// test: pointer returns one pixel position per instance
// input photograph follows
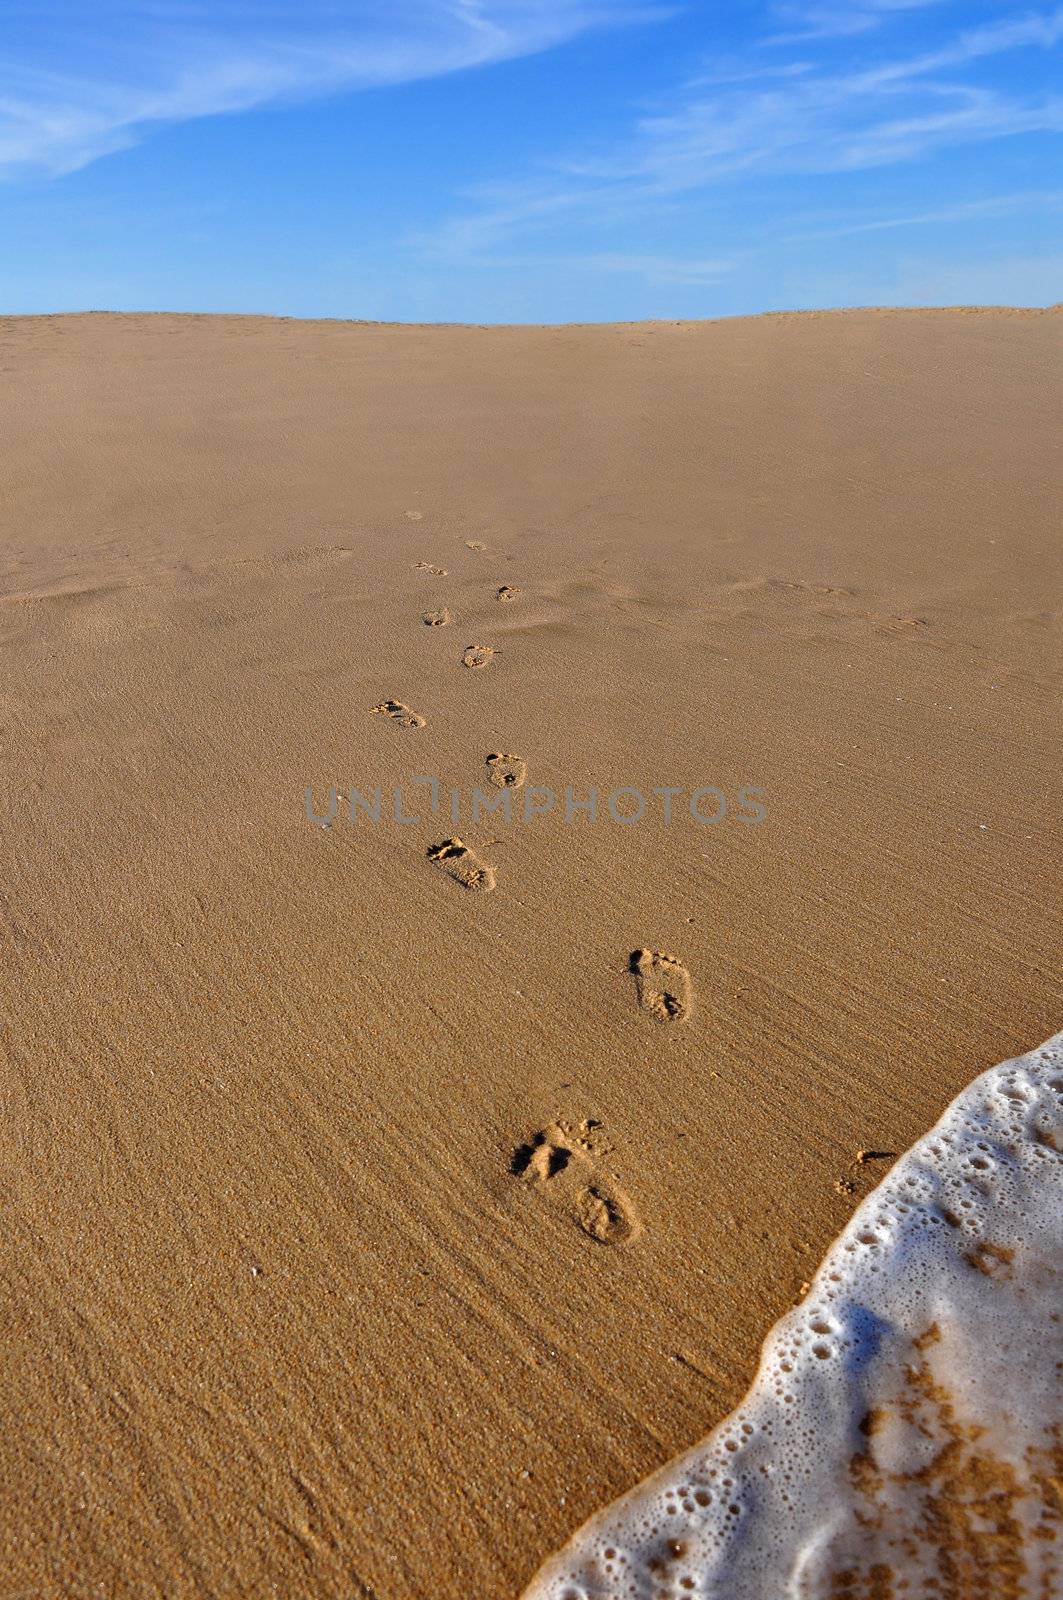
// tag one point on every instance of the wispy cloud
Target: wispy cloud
(799, 118)
(1043, 202)
(125, 68)
(663, 269)
(844, 20)
(916, 279)
(831, 121)
(688, 271)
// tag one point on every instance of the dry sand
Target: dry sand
(365, 1231)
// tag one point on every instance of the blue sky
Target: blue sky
(528, 160)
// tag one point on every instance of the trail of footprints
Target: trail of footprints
(662, 982)
(843, 603)
(563, 1165)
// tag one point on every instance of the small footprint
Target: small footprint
(456, 859)
(507, 592)
(827, 590)
(662, 983)
(605, 1215)
(415, 516)
(563, 1163)
(314, 557)
(474, 544)
(506, 771)
(398, 713)
(896, 625)
(426, 566)
(478, 656)
(437, 619)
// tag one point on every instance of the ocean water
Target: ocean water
(904, 1433)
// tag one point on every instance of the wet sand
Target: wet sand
(375, 1211)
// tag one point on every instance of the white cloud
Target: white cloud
(913, 280)
(84, 78)
(842, 20)
(800, 120)
(659, 268)
(1006, 280)
(1031, 201)
(655, 269)
(837, 121)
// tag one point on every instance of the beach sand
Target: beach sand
(374, 1213)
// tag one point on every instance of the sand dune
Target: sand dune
(365, 1234)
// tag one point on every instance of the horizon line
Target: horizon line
(972, 308)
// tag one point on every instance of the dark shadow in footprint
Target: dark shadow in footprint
(564, 1164)
(397, 712)
(478, 656)
(456, 859)
(539, 1159)
(506, 771)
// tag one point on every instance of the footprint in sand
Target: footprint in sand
(415, 516)
(830, 591)
(662, 983)
(474, 544)
(456, 859)
(437, 619)
(506, 771)
(507, 592)
(426, 566)
(478, 656)
(398, 713)
(563, 1164)
(897, 625)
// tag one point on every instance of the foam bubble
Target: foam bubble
(904, 1433)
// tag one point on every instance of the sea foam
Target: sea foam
(904, 1433)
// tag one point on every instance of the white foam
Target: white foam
(904, 1431)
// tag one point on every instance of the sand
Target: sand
(372, 1216)
(902, 1436)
